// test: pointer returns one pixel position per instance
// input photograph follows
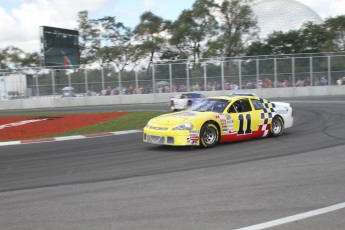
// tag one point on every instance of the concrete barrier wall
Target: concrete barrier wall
(161, 98)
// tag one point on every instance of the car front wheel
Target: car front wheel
(277, 127)
(209, 135)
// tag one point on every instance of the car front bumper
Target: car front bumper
(176, 138)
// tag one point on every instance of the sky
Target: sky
(20, 20)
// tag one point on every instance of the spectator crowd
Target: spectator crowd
(215, 86)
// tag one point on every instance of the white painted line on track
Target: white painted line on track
(9, 143)
(69, 138)
(126, 132)
(66, 138)
(297, 217)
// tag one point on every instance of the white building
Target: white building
(13, 86)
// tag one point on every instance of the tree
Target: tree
(192, 29)
(3, 60)
(152, 33)
(237, 29)
(285, 43)
(89, 38)
(31, 60)
(117, 48)
(14, 58)
(311, 38)
(335, 27)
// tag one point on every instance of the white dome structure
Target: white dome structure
(282, 15)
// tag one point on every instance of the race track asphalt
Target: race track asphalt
(119, 182)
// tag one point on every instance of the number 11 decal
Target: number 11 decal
(241, 130)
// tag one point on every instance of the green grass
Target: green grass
(133, 120)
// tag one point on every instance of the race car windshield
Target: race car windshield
(210, 105)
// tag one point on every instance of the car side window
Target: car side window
(246, 105)
(232, 109)
(240, 106)
(257, 104)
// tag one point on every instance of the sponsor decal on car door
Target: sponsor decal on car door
(242, 122)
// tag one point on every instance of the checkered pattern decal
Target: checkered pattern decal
(266, 115)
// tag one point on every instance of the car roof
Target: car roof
(194, 95)
(244, 94)
(191, 93)
(234, 97)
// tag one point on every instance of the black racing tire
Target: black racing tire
(209, 135)
(189, 103)
(277, 127)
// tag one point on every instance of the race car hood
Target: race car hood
(173, 119)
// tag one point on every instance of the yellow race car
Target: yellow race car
(220, 119)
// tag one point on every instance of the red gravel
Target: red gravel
(20, 128)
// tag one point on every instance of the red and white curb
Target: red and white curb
(68, 137)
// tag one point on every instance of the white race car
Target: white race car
(185, 100)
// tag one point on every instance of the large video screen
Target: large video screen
(60, 48)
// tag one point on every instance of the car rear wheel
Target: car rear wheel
(209, 135)
(277, 127)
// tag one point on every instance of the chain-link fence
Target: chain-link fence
(205, 75)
